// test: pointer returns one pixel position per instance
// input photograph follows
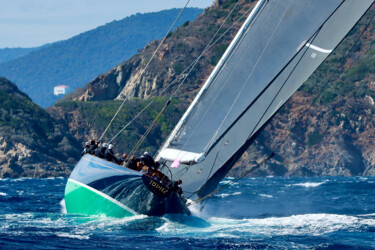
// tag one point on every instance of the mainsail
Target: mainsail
(278, 47)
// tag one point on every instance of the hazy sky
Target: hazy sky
(30, 23)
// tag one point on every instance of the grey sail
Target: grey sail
(278, 47)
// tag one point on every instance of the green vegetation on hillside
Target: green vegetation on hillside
(22, 121)
(98, 115)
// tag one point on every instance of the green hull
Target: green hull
(82, 199)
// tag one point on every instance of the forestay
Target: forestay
(278, 47)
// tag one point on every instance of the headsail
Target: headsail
(278, 47)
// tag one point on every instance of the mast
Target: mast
(171, 155)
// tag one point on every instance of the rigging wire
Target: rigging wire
(190, 67)
(196, 106)
(141, 140)
(143, 70)
(339, 68)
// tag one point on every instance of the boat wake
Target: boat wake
(82, 227)
(247, 218)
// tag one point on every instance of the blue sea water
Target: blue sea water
(272, 213)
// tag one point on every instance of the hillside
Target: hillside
(334, 137)
(78, 60)
(32, 143)
(8, 54)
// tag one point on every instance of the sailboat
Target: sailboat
(278, 47)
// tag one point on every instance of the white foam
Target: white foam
(306, 224)
(22, 179)
(266, 195)
(3, 194)
(229, 182)
(222, 195)
(309, 184)
(73, 236)
(373, 214)
(62, 206)
(313, 224)
(105, 223)
(165, 228)
(226, 195)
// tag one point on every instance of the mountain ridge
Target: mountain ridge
(81, 58)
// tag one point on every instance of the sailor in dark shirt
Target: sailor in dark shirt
(123, 158)
(85, 150)
(177, 187)
(132, 164)
(93, 147)
(99, 152)
(109, 155)
(147, 159)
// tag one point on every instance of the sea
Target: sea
(255, 213)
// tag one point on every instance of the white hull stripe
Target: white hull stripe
(105, 196)
(327, 51)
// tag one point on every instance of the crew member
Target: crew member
(93, 147)
(85, 150)
(123, 158)
(132, 164)
(177, 187)
(109, 155)
(147, 160)
(99, 152)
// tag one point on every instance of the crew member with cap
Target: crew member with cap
(147, 159)
(109, 155)
(99, 152)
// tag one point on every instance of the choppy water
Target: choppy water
(328, 212)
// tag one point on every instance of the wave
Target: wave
(229, 182)
(226, 195)
(62, 207)
(73, 236)
(55, 178)
(306, 224)
(373, 214)
(3, 194)
(309, 184)
(266, 195)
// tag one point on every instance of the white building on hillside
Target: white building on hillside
(60, 90)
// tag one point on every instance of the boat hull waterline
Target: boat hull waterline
(98, 187)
